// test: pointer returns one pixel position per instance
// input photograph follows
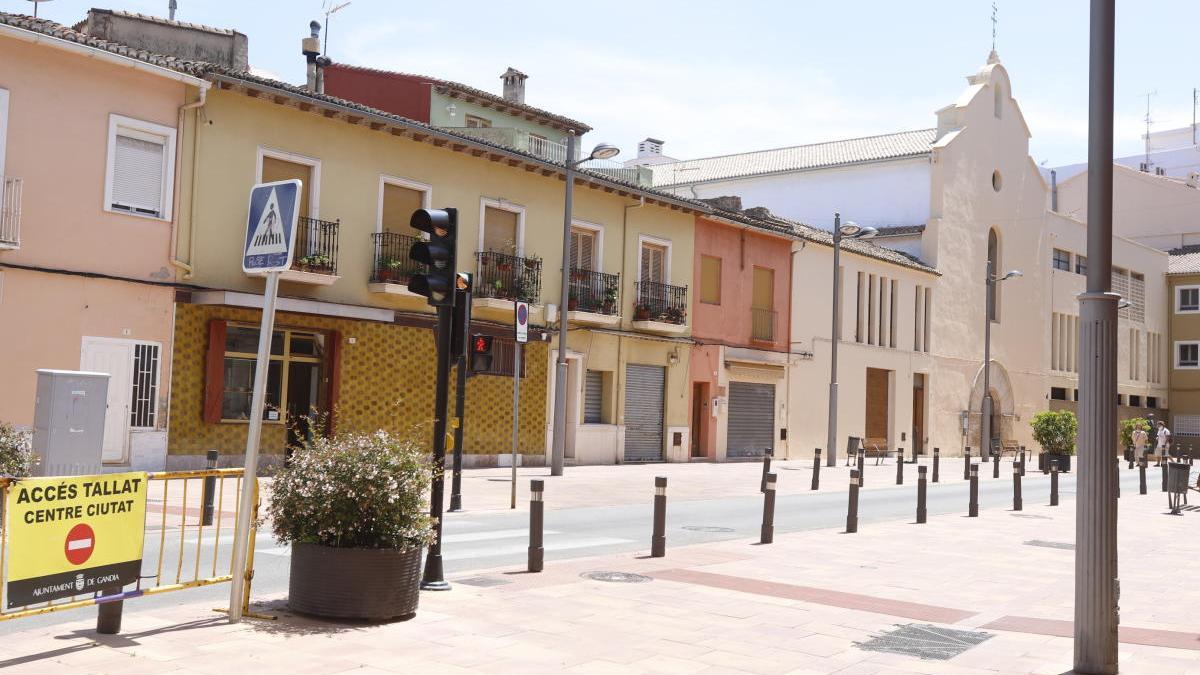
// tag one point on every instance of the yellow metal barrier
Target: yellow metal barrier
(185, 515)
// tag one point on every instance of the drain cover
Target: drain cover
(1066, 546)
(708, 528)
(482, 582)
(616, 577)
(1030, 515)
(925, 641)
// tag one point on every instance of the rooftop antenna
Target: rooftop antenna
(1149, 122)
(995, 20)
(35, 6)
(1195, 100)
(331, 9)
(171, 7)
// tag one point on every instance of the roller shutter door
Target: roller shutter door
(751, 419)
(644, 387)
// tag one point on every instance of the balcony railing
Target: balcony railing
(555, 151)
(392, 262)
(507, 277)
(660, 302)
(762, 324)
(594, 292)
(316, 246)
(10, 212)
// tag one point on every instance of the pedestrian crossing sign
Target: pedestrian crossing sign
(271, 226)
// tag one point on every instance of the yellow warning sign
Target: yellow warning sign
(73, 535)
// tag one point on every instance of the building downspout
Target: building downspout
(787, 398)
(183, 110)
(621, 341)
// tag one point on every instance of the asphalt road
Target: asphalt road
(485, 540)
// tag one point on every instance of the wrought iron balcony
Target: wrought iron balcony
(10, 212)
(316, 246)
(762, 324)
(660, 302)
(594, 292)
(507, 277)
(392, 262)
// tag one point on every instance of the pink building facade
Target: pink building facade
(89, 155)
(741, 316)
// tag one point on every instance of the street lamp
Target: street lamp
(985, 418)
(841, 231)
(558, 444)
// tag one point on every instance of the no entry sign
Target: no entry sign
(73, 535)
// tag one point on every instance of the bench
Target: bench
(877, 448)
(1010, 447)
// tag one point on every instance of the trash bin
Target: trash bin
(1177, 477)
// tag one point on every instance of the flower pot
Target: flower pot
(572, 304)
(1064, 462)
(354, 583)
(641, 315)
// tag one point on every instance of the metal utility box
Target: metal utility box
(68, 422)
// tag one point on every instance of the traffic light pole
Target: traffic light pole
(434, 579)
(462, 299)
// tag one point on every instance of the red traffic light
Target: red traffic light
(481, 344)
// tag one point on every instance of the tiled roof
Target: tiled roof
(1185, 260)
(796, 158)
(477, 93)
(899, 230)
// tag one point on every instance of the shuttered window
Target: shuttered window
(654, 263)
(145, 386)
(583, 249)
(141, 159)
(764, 288)
(593, 397)
(500, 230)
(710, 279)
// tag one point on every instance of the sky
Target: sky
(713, 78)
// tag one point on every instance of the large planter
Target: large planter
(354, 583)
(1064, 462)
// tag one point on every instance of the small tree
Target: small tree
(1129, 426)
(1055, 431)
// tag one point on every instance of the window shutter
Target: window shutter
(138, 175)
(575, 237)
(214, 372)
(593, 397)
(586, 259)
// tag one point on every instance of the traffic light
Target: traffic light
(461, 324)
(481, 353)
(438, 254)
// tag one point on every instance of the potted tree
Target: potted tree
(1055, 431)
(354, 509)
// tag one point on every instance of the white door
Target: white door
(115, 357)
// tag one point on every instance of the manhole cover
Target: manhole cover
(1066, 546)
(708, 528)
(482, 582)
(1030, 515)
(925, 641)
(616, 577)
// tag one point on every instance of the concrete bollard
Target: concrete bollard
(658, 541)
(937, 459)
(1141, 475)
(537, 553)
(852, 508)
(768, 518)
(816, 478)
(921, 495)
(973, 506)
(862, 462)
(108, 616)
(210, 487)
(766, 468)
(1017, 504)
(1053, 483)
(899, 466)
(995, 465)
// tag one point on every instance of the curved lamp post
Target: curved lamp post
(847, 230)
(985, 418)
(558, 444)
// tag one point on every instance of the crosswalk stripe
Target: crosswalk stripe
(569, 544)
(489, 535)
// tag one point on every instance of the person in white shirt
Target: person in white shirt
(1164, 442)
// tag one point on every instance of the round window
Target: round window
(996, 180)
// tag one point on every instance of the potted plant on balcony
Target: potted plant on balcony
(641, 312)
(388, 269)
(498, 290)
(572, 301)
(1055, 431)
(354, 509)
(676, 315)
(610, 300)
(315, 262)
(532, 263)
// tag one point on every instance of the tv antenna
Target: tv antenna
(995, 20)
(330, 10)
(1149, 122)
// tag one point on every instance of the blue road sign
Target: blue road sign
(271, 226)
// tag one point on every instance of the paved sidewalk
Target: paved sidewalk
(809, 603)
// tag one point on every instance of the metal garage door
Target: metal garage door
(644, 413)
(751, 419)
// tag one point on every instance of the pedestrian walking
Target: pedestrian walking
(1163, 447)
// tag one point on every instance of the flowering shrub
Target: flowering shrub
(16, 452)
(354, 491)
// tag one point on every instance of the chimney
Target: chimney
(311, 48)
(651, 147)
(726, 203)
(514, 85)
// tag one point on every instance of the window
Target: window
(584, 249)
(593, 397)
(710, 279)
(1058, 393)
(398, 198)
(1062, 260)
(1120, 399)
(476, 122)
(293, 353)
(1185, 425)
(653, 263)
(145, 386)
(1137, 296)
(141, 168)
(1135, 400)
(1151, 401)
(997, 181)
(501, 230)
(275, 165)
(1187, 354)
(1187, 299)
(1081, 264)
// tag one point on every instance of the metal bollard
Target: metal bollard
(1164, 476)
(921, 512)
(973, 506)
(967, 464)
(1129, 456)
(537, 554)
(658, 541)
(899, 466)
(1141, 475)
(766, 468)
(1017, 503)
(768, 518)
(937, 459)
(852, 508)
(1022, 461)
(108, 616)
(995, 465)
(1053, 483)
(210, 487)
(862, 462)
(816, 479)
